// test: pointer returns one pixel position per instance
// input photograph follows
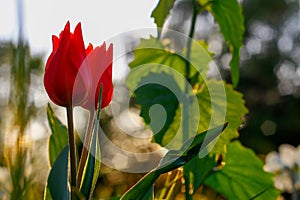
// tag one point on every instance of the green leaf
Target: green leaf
(243, 176)
(199, 169)
(152, 56)
(156, 77)
(228, 14)
(156, 57)
(220, 103)
(149, 195)
(161, 12)
(47, 195)
(59, 137)
(172, 160)
(149, 97)
(173, 129)
(92, 167)
(58, 177)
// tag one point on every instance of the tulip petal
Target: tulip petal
(89, 49)
(100, 64)
(62, 69)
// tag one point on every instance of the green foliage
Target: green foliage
(58, 177)
(161, 12)
(156, 73)
(22, 186)
(228, 14)
(199, 169)
(152, 56)
(57, 143)
(172, 160)
(149, 195)
(242, 177)
(153, 94)
(92, 167)
(157, 57)
(59, 137)
(57, 146)
(219, 102)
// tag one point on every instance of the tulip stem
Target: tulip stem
(72, 149)
(85, 148)
(186, 104)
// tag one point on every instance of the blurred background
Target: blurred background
(269, 68)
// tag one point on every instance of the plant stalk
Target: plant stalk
(187, 100)
(86, 145)
(72, 146)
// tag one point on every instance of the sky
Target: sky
(101, 19)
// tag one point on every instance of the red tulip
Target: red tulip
(73, 74)
(99, 61)
(63, 82)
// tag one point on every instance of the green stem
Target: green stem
(72, 146)
(85, 148)
(186, 103)
(189, 41)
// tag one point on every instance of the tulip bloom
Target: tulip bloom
(99, 61)
(62, 69)
(73, 74)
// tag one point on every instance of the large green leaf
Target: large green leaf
(152, 56)
(149, 97)
(172, 160)
(219, 103)
(156, 77)
(161, 12)
(58, 177)
(228, 14)
(160, 58)
(243, 176)
(59, 137)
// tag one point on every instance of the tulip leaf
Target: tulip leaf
(59, 137)
(47, 195)
(219, 102)
(243, 176)
(172, 160)
(149, 195)
(199, 168)
(58, 177)
(92, 167)
(161, 11)
(228, 14)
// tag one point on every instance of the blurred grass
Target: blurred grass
(16, 113)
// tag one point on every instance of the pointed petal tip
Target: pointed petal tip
(78, 26)
(67, 26)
